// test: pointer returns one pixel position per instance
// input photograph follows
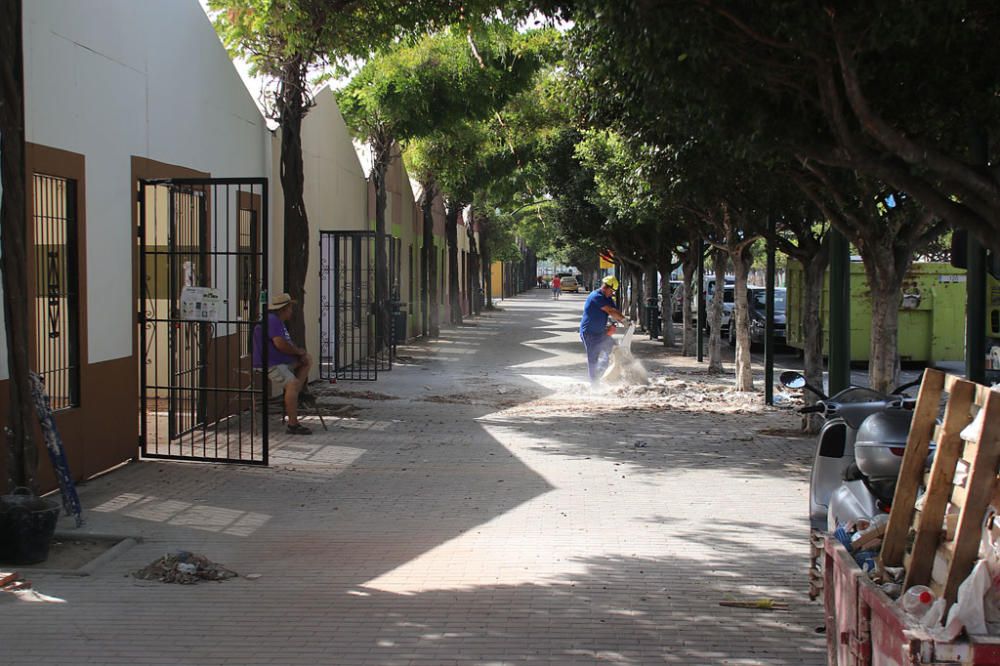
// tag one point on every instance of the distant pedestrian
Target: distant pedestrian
(556, 287)
(594, 329)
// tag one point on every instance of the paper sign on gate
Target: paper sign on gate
(200, 304)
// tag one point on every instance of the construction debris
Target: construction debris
(11, 581)
(184, 568)
(758, 604)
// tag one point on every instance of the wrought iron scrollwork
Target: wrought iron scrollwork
(53, 292)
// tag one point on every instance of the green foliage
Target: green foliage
(867, 90)
(439, 81)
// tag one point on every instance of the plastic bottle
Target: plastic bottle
(917, 601)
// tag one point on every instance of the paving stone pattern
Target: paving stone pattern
(496, 511)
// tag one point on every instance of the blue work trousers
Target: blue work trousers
(599, 347)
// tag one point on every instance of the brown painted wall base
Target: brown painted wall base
(101, 433)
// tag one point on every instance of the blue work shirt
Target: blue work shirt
(595, 320)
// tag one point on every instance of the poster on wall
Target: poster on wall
(200, 304)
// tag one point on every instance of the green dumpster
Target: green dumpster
(931, 312)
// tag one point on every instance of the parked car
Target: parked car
(727, 301)
(727, 307)
(677, 300)
(757, 301)
(569, 284)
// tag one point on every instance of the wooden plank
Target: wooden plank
(980, 488)
(982, 392)
(939, 487)
(958, 496)
(912, 468)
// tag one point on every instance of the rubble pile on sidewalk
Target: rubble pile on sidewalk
(668, 393)
(184, 568)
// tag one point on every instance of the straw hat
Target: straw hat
(279, 301)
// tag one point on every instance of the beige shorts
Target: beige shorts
(281, 374)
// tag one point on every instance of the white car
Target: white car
(727, 307)
(568, 284)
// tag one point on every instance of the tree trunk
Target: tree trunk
(451, 233)
(381, 164)
(484, 252)
(885, 269)
(812, 327)
(291, 111)
(666, 305)
(430, 257)
(475, 270)
(689, 336)
(639, 296)
(426, 209)
(634, 284)
(741, 258)
(721, 258)
(649, 289)
(22, 452)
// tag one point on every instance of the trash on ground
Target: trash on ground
(11, 581)
(15, 588)
(682, 394)
(758, 604)
(184, 568)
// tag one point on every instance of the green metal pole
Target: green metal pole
(840, 313)
(769, 317)
(975, 285)
(701, 301)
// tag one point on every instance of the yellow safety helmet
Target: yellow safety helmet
(611, 281)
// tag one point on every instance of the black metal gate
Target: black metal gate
(351, 347)
(203, 279)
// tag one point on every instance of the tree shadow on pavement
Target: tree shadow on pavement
(665, 442)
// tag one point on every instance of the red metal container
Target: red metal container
(864, 626)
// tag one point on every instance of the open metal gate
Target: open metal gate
(203, 279)
(351, 347)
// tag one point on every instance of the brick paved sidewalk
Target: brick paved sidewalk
(489, 509)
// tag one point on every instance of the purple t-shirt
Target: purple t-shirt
(275, 329)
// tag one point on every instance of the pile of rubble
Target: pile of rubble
(692, 395)
(184, 568)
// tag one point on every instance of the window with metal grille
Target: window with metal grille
(56, 308)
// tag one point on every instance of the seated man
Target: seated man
(288, 365)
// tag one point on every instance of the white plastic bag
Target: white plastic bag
(623, 367)
(967, 610)
(970, 433)
(978, 595)
(990, 553)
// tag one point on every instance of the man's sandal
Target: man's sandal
(298, 429)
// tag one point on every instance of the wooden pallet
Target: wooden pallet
(939, 543)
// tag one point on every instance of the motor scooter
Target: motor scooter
(858, 453)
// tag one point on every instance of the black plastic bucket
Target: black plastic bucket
(27, 524)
